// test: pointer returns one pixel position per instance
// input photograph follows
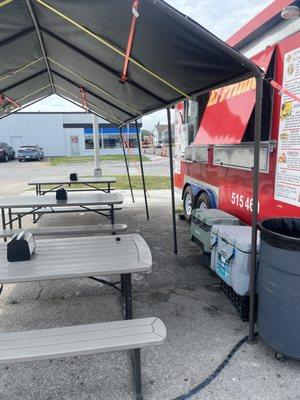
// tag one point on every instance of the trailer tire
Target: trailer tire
(203, 202)
(188, 203)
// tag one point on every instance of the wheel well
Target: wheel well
(198, 193)
(196, 196)
(183, 189)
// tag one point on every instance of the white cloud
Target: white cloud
(220, 17)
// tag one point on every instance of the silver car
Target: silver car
(30, 153)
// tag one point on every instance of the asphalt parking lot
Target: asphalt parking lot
(202, 326)
(15, 175)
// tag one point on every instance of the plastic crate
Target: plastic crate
(205, 256)
(241, 303)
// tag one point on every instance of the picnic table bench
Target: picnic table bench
(100, 203)
(84, 230)
(84, 257)
(88, 182)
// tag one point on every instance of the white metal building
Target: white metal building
(63, 134)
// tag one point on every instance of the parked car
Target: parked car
(30, 153)
(6, 152)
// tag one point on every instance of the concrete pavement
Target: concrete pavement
(14, 175)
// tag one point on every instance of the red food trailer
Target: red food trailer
(214, 133)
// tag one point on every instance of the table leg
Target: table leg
(137, 373)
(3, 222)
(112, 214)
(37, 189)
(20, 221)
(10, 218)
(108, 187)
(128, 296)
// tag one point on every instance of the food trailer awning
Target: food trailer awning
(65, 47)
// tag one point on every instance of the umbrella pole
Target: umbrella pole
(126, 164)
(172, 181)
(257, 138)
(142, 168)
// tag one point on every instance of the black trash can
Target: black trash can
(279, 285)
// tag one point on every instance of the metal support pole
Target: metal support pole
(126, 164)
(142, 168)
(41, 42)
(172, 181)
(97, 170)
(255, 193)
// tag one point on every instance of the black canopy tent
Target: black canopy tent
(131, 58)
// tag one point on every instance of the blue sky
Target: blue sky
(223, 18)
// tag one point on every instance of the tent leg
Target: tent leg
(255, 188)
(142, 168)
(126, 164)
(172, 182)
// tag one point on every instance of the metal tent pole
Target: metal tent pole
(255, 195)
(142, 168)
(97, 170)
(172, 181)
(126, 164)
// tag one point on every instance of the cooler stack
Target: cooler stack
(226, 247)
(201, 224)
(231, 261)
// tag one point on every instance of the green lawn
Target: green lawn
(152, 182)
(85, 159)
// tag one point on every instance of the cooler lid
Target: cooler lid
(214, 216)
(237, 236)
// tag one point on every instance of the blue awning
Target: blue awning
(111, 130)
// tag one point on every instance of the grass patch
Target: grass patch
(87, 159)
(152, 182)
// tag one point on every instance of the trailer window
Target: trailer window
(194, 113)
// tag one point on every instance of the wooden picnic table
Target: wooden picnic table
(89, 182)
(39, 205)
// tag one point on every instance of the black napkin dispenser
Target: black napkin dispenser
(74, 176)
(20, 247)
(61, 194)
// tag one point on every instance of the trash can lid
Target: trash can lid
(281, 232)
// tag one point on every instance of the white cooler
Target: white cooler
(231, 255)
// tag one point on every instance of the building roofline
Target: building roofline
(261, 23)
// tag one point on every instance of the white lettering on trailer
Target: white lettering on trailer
(242, 201)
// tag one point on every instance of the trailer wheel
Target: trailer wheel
(188, 203)
(203, 202)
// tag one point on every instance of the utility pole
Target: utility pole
(97, 170)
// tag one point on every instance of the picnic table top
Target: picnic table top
(77, 257)
(61, 181)
(73, 199)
